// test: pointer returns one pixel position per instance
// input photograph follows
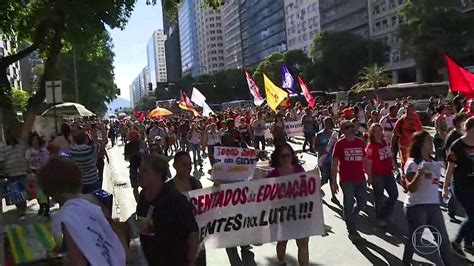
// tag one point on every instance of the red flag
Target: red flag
(136, 114)
(142, 117)
(306, 92)
(460, 79)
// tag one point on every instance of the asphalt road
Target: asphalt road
(382, 247)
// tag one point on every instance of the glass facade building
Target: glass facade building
(151, 63)
(188, 37)
(263, 29)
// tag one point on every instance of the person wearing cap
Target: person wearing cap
(348, 161)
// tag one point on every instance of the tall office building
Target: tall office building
(7, 47)
(27, 65)
(232, 34)
(188, 37)
(384, 23)
(139, 87)
(210, 39)
(172, 49)
(467, 5)
(156, 58)
(345, 15)
(302, 23)
(263, 29)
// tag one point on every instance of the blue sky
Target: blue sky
(130, 44)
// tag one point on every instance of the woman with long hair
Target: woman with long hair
(380, 173)
(441, 127)
(422, 175)
(460, 171)
(284, 162)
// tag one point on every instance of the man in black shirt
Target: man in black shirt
(168, 230)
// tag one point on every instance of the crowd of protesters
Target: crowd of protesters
(356, 145)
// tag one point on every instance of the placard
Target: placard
(233, 164)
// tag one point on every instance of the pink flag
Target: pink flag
(306, 92)
(257, 98)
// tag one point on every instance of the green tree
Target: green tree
(94, 61)
(372, 77)
(146, 103)
(432, 27)
(170, 7)
(19, 99)
(50, 27)
(338, 57)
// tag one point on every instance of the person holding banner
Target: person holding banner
(349, 160)
(168, 229)
(284, 162)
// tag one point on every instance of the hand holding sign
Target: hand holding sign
(233, 164)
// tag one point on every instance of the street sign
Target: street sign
(54, 92)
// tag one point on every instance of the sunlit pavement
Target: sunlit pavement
(381, 248)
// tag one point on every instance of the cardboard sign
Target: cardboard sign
(233, 164)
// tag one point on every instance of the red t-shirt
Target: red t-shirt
(381, 157)
(351, 159)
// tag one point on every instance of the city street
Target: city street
(382, 248)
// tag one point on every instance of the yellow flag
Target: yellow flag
(274, 94)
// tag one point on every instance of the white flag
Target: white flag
(198, 98)
(206, 110)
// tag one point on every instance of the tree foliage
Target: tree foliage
(94, 63)
(170, 7)
(433, 27)
(338, 58)
(372, 77)
(296, 61)
(50, 27)
(19, 99)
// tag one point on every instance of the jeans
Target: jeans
(308, 139)
(383, 208)
(421, 216)
(210, 153)
(355, 199)
(465, 195)
(247, 256)
(196, 150)
(259, 140)
(325, 171)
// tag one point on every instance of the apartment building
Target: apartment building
(7, 47)
(210, 39)
(345, 15)
(302, 23)
(232, 34)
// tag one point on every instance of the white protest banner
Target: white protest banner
(292, 129)
(259, 211)
(233, 164)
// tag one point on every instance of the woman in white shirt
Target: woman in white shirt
(422, 175)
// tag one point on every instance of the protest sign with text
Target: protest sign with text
(233, 164)
(259, 211)
(292, 129)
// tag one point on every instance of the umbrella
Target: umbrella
(69, 110)
(158, 112)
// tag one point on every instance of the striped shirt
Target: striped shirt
(85, 157)
(13, 158)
